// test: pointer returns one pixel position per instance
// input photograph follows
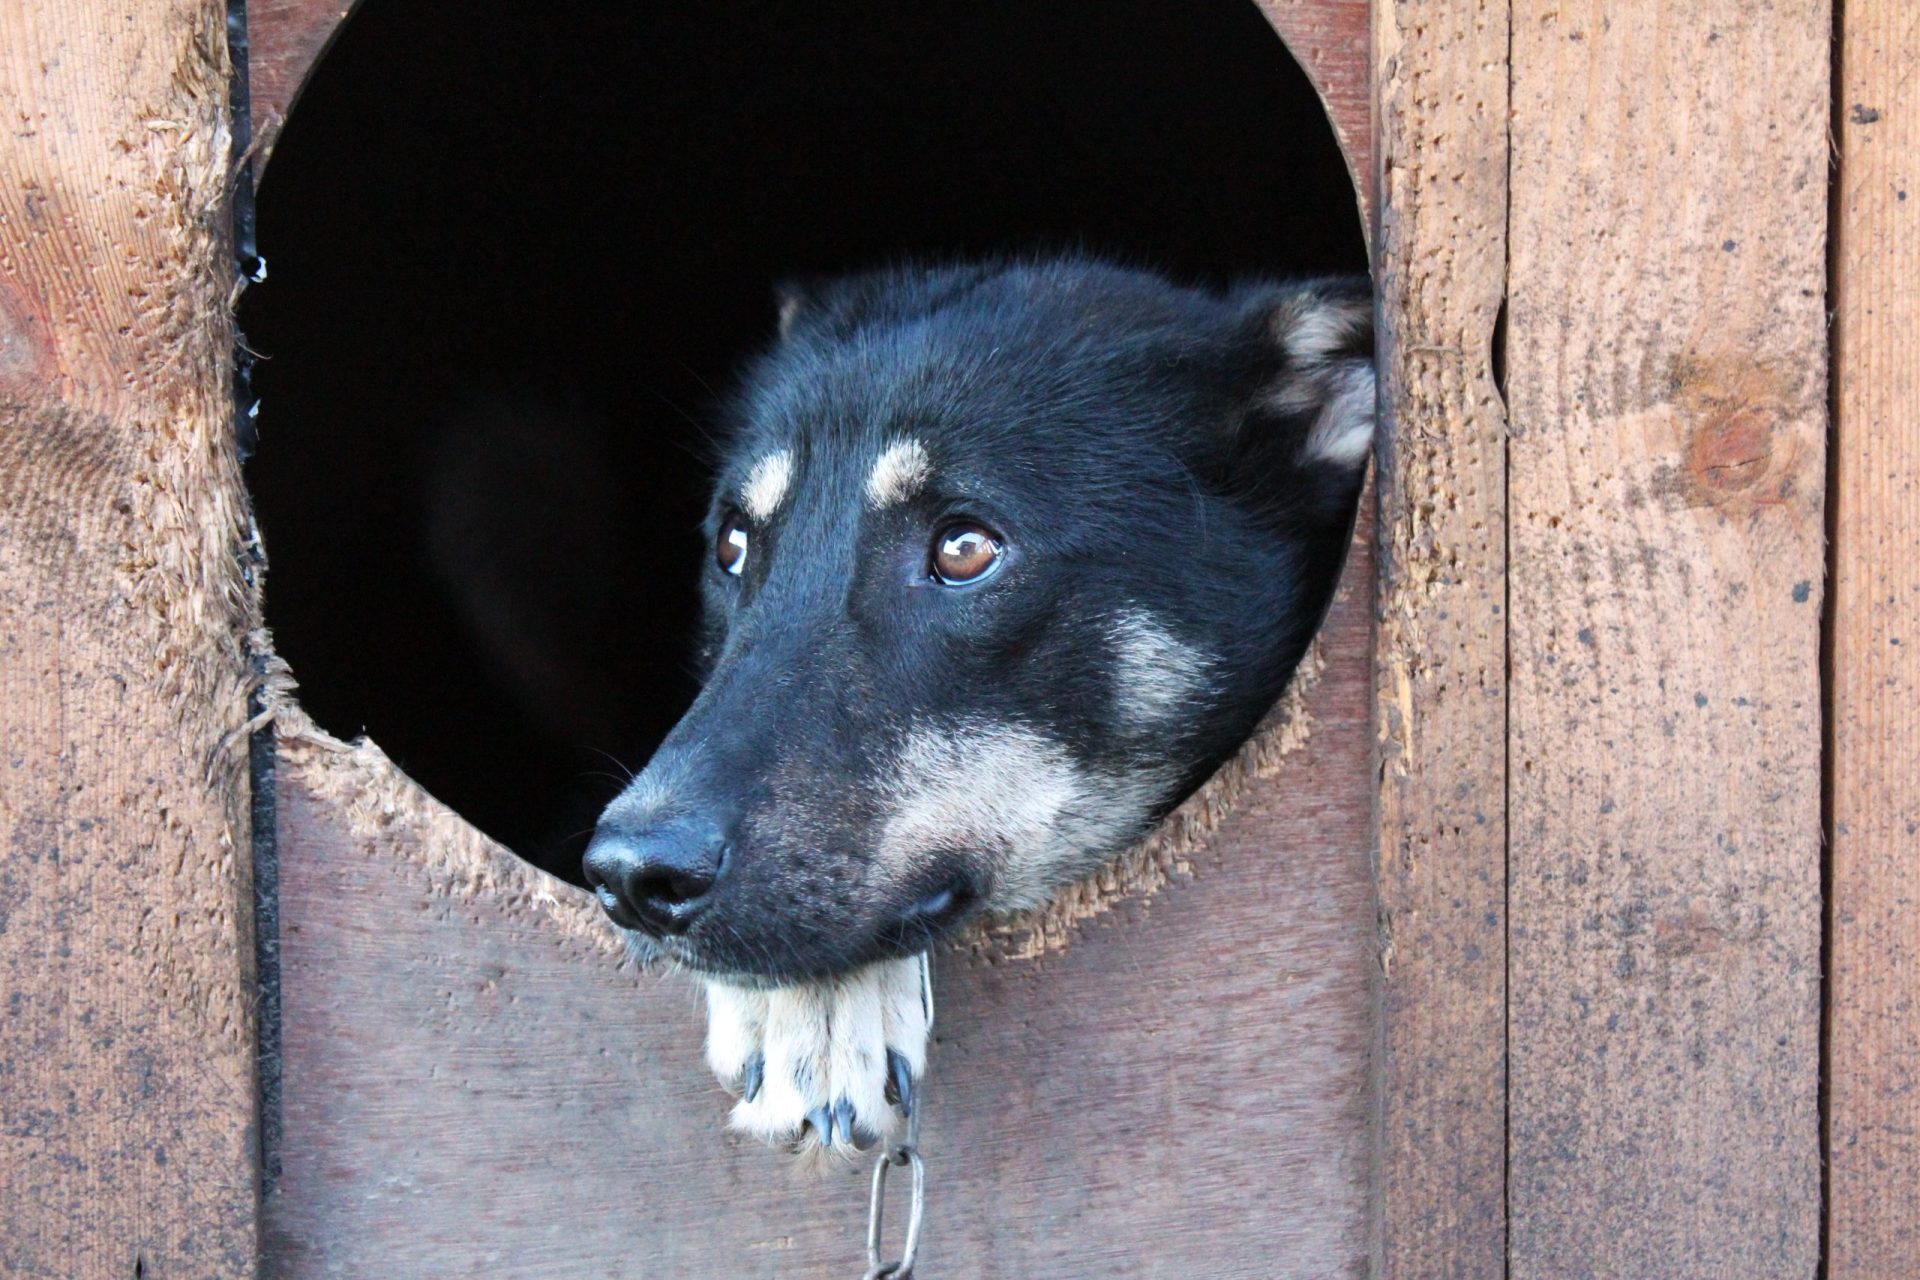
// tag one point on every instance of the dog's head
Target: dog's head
(1002, 562)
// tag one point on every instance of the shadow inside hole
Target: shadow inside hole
(517, 256)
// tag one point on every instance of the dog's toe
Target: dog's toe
(908, 1021)
(792, 1104)
(736, 1026)
(832, 1065)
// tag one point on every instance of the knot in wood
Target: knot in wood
(1741, 448)
(26, 356)
(1730, 451)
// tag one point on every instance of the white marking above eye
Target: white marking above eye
(898, 473)
(766, 485)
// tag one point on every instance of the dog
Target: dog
(1004, 559)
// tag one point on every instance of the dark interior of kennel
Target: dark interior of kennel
(515, 258)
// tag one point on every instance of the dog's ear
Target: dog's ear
(794, 299)
(1303, 423)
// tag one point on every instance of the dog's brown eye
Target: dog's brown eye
(730, 548)
(965, 553)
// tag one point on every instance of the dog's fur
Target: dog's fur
(1171, 475)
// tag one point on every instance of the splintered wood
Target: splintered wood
(1667, 392)
(127, 1140)
(1873, 1085)
(1440, 663)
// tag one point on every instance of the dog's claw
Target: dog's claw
(900, 1082)
(843, 1122)
(820, 1119)
(755, 1076)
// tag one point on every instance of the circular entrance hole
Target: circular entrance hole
(518, 254)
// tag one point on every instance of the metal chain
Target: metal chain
(905, 1154)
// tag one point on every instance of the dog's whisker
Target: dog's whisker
(611, 759)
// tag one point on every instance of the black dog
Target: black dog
(1005, 560)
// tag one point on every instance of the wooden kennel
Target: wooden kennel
(1569, 901)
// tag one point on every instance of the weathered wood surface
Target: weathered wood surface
(1873, 1087)
(472, 1087)
(1440, 673)
(126, 1035)
(1331, 40)
(1667, 391)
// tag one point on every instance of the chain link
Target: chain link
(876, 1214)
(905, 1154)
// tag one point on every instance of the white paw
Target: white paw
(831, 1064)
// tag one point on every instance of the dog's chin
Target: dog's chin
(684, 956)
(923, 925)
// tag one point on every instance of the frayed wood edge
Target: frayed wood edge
(381, 803)
(167, 456)
(1167, 851)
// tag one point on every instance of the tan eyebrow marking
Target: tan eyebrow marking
(766, 485)
(898, 473)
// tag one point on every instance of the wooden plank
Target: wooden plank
(1331, 40)
(1440, 666)
(287, 39)
(1873, 1082)
(126, 1034)
(1667, 389)
(471, 1087)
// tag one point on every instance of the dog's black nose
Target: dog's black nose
(656, 879)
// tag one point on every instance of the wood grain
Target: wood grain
(1330, 39)
(126, 1040)
(1873, 1084)
(1667, 391)
(472, 1087)
(1440, 663)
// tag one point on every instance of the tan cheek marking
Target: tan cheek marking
(1155, 675)
(767, 484)
(898, 473)
(1016, 796)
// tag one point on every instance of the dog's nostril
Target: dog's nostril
(671, 888)
(656, 880)
(667, 898)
